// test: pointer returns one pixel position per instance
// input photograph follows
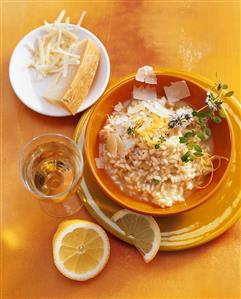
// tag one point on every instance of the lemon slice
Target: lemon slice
(81, 249)
(143, 231)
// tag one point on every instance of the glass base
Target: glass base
(62, 209)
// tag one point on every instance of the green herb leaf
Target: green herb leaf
(229, 94)
(202, 122)
(190, 134)
(208, 132)
(224, 86)
(216, 119)
(190, 145)
(187, 157)
(197, 148)
(155, 181)
(182, 139)
(201, 136)
(198, 154)
(202, 114)
(222, 113)
(157, 146)
(194, 113)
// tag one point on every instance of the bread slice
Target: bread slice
(72, 90)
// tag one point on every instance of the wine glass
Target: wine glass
(51, 167)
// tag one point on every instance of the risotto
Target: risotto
(144, 154)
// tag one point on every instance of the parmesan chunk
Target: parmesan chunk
(84, 77)
(177, 91)
(73, 89)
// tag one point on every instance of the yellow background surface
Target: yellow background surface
(198, 36)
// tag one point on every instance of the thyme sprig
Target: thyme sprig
(212, 111)
(215, 98)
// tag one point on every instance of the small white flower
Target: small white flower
(209, 101)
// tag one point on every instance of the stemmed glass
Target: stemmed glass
(51, 167)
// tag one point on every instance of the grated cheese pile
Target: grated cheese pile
(57, 48)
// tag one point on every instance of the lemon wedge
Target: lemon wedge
(81, 249)
(143, 231)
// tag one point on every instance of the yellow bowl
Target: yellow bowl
(122, 91)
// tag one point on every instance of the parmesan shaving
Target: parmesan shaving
(69, 34)
(177, 91)
(47, 24)
(60, 16)
(136, 108)
(144, 93)
(65, 70)
(29, 47)
(81, 18)
(146, 74)
(158, 109)
(55, 49)
(59, 50)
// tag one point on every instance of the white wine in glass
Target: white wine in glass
(51, 167)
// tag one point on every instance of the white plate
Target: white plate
(29, 90)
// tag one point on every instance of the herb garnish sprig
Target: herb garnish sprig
(212, 111)
(214, 100)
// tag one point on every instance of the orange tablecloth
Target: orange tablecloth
(202, 37)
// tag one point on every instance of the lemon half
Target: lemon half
(81, 249)
(143, 231)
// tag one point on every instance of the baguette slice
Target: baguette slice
(72, 90)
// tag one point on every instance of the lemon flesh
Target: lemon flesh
(81, 249)
(143, 231)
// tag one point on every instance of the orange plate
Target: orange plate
(121, 92)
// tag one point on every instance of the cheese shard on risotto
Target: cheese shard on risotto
(177, 91)
(146, 74)
(144, 93)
